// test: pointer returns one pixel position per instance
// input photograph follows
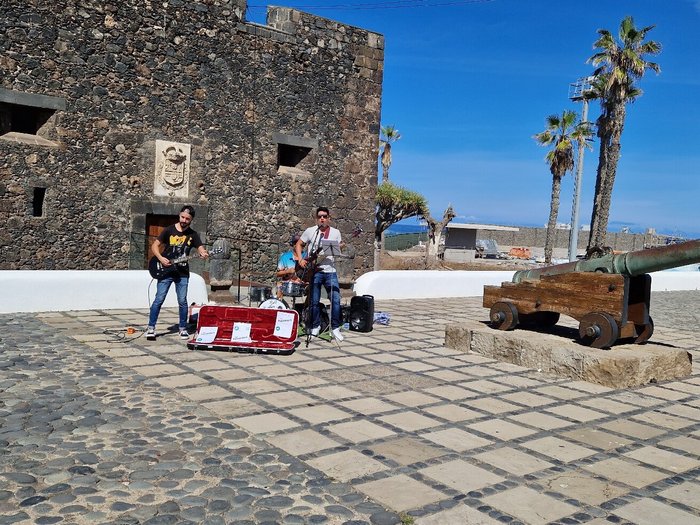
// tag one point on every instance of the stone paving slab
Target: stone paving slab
(384, 428)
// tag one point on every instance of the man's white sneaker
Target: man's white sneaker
(337, 334)
(315, 331)
(151, 333)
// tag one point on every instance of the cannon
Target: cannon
(608, 294)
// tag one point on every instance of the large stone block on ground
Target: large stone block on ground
(620, 367)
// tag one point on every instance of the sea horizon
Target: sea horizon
(408, 226)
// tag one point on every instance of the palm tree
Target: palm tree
(618, 64)
(562, 132)
(388, 135)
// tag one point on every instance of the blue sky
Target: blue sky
(467, 84)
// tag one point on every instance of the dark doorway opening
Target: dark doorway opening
(154, 225)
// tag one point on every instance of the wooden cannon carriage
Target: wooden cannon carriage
(609, 295)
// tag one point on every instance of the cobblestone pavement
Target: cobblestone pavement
(387, 427)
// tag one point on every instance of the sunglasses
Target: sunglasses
(322, 216)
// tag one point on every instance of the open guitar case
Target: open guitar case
(246, 330)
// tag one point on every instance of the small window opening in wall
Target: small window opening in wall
(290, 155)
(38, 202)
(23, 119)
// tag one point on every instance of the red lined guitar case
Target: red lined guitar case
(247, 330)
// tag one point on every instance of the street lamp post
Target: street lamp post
(577, 92)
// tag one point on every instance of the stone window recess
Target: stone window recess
(27, 117)
(38, 202)
(291, 150)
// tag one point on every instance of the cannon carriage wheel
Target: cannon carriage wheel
(503, 316)
(598, 329)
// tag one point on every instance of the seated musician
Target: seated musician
(286, 265)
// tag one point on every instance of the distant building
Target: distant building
(461, 239)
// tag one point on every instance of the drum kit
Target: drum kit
(274, 304)
(263, 294)
(292, 288)
(259, 294)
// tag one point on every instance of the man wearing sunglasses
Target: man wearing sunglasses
(321, 242)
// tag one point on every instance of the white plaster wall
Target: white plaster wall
(425, 284)
(669, 281)
(63, 290)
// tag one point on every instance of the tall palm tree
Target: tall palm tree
(388, 135)
(619, 64)
(562, 132)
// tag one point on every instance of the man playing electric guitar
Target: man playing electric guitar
(175, 242)
(315, 239)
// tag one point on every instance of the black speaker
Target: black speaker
(361, 313)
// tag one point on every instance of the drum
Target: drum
(260, 293)
(292, 288)
(274, 304)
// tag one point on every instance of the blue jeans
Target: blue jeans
(330, 282)
(162, 292)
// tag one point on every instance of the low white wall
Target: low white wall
(63, 290)
(425, 284)
(670, 280)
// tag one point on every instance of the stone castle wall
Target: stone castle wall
(167, 103)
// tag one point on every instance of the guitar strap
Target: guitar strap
(312, 253)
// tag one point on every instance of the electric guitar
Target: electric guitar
(306, 274)
(158, 271)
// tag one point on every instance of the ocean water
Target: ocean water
(397, 229)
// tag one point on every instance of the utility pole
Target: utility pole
(577, 92)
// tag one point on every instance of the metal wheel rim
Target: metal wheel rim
(598, 330)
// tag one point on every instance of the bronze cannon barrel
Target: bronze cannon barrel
(630, 264)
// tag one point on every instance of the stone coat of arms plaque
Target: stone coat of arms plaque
(172, 169)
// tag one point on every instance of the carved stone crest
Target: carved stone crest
(172, 173)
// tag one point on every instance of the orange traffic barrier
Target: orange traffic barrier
(520, 253)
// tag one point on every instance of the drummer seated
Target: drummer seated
(286, 266)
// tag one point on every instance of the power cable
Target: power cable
(121, 336)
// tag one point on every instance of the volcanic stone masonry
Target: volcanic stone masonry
(114, 115)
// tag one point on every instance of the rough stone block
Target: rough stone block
(622, 366)
(221, 272)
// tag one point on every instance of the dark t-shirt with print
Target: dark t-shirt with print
(178, 244)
